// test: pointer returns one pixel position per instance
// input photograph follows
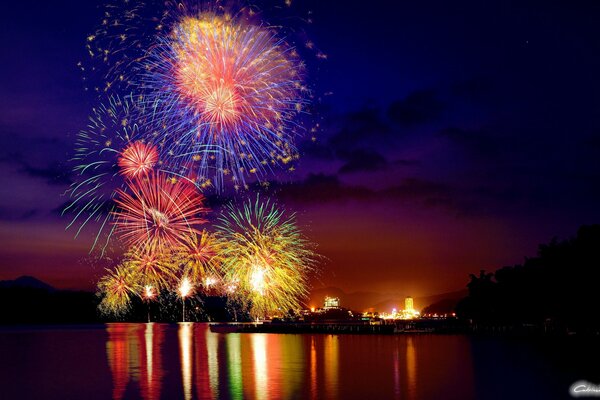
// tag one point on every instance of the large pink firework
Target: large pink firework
(231, 93)
(158, 211)
(137, 159)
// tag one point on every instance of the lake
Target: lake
(187, 361)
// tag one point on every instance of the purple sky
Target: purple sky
(455, 136)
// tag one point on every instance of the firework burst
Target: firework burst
(153, 268)
(117, 288)
(228, 92)
(265, 252)
(158, 211)
(200, 258)
(108, 141)
(137, 160)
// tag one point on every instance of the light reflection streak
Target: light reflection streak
(259, 351)
(234, 362)
(122, 351)
(291, 348)
(411, 368)
(313, 368)
(149, 354)
(185, 346)
(152, 366)
(397, 393)
(212, 349)
(201, 370)
(331, 365)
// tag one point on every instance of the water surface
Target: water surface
(187, 361)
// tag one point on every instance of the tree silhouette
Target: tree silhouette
(558, 288)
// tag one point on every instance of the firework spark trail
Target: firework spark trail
(266, 254)
(228, 93)
(159, 212)
(112, 128)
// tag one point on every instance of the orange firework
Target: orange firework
(158, 212)
(137, 159)
(154, 268)
(200, 258)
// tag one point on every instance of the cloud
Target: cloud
(316, 149)
(54, 174)
(362, 160)
(417, 108)
(319, 188)
(10, 214)
(406, 162)
(476, 141)
(360, 128)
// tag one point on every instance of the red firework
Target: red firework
(137, 159)
(158, 211)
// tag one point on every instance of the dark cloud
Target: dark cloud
(477, 141)
(10, 214)
(417, 108)
(406, 163)
(319, 188)
(362, 160)
(54, 174)
(411, 188)
(316, 149)
(461, 201)
(358, 128)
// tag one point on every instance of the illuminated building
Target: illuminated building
(331, 302)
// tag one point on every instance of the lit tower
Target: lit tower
(408, 304)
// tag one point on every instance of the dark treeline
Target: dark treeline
(27, 300)
(24, 305)
(557, 291)
(168, 307)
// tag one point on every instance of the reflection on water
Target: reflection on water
(411, 368)
(313, 368)
(331, 365)
(133, 352)
(187, 361)
(185, 347)
(234, 363)
(263, 366)
(259, 351)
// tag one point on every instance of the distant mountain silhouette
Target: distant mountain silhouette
(26, 282)
(29, 300)
(444, 306)
(360, 301)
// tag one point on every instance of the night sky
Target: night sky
(455, 137)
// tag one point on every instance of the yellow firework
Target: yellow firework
(265, 253)
(199, 258)
(116, 288)
(152, 267)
